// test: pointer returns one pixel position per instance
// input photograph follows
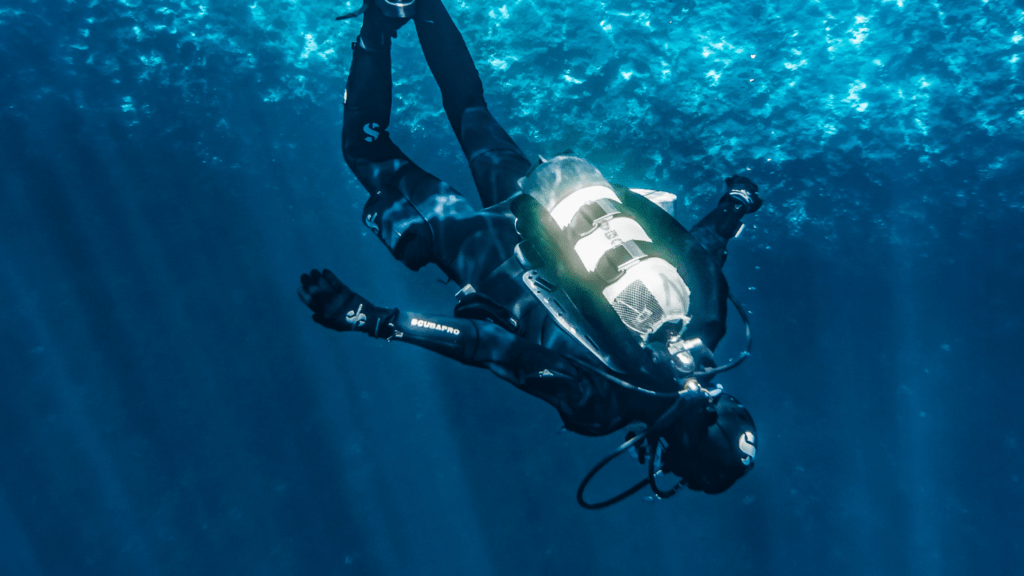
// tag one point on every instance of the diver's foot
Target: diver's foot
(378, 29)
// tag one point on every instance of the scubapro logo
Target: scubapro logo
(371, 131)
(417, 323)
(747, 447)
(356, 317)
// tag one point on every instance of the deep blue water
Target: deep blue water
(168, 169)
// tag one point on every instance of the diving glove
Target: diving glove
(336, 306)
(740, 190)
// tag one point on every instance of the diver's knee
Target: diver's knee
(371, 155)
(400, 226)
(348, 151)
(481, 133)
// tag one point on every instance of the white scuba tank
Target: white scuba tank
(645, 291)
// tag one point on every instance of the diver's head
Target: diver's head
(712, 458)
(706, 438)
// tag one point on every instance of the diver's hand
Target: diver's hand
(740, 190)
(336, 306)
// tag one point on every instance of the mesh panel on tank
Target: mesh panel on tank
(638, 309)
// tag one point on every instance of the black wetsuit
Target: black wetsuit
(424, 220)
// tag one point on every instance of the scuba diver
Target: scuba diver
(583, 293)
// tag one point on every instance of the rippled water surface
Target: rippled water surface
(168, 169)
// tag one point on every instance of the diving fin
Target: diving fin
(390, 8)
(359, 12)
(397, 8)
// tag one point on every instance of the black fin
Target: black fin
(366, 4)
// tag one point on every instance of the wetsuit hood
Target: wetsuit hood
(712, 459)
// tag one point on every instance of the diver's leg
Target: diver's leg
(495, 160)
(402, 195)
(716, 229)
(418, 217)
(365, 142)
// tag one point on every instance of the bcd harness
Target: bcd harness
(614, 270)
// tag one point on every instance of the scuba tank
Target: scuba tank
(591, 228)
(634, 279)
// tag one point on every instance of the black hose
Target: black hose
(743, 355)
(664, 421)
(619, 381)
(593, 471)
(654, 484)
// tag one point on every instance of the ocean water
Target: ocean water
(169, 168)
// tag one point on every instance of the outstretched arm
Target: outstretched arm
(588, 403)
(473, 342)
(723, 223)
